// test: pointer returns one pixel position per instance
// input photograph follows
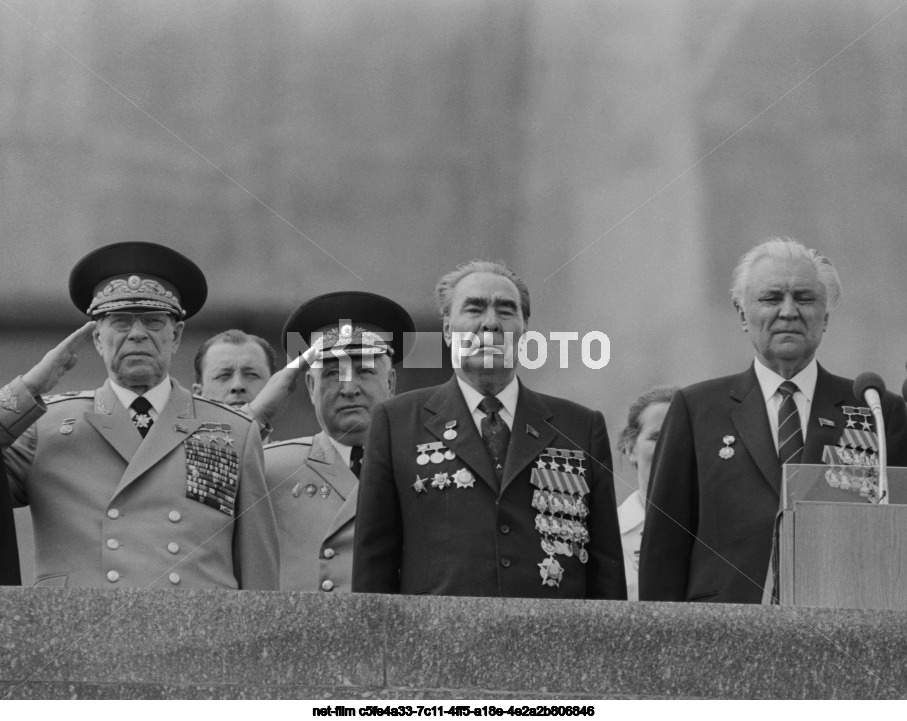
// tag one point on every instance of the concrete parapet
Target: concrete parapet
(85, 643)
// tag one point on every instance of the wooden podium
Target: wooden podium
(844, 555)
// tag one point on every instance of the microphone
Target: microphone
(870, 387)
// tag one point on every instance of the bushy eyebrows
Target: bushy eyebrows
(482, 302)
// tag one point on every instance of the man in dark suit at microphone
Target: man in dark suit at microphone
(717, 470)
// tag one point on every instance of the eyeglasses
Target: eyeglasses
(124, 321)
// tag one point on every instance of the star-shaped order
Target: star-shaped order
(464, 479)
(419, 485)
(551, 572)
(441, 480)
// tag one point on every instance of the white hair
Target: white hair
(785, 249)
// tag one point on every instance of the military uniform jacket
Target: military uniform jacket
(433, 520)
(9, 549)
(111, 509)
(709, 522)
(313, 493)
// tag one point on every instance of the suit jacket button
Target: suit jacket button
(505, 562)
(113, 576)
(113, 513)
(174, 578)
(327, 585)
(505, 529)
(173, 547)
(174, 516)
(328, 552)
(113, 544)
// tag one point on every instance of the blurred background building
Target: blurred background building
(619, 156)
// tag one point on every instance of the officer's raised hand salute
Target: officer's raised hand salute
(57, 361)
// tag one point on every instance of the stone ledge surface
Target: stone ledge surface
(87, 643)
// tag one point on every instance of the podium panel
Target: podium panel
(844, 555)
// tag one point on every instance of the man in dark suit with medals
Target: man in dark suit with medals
(717, 471)
(480, 486)
(137, 484)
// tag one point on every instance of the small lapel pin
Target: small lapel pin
(180, 428)
(727, 452)
(531, 431)
(826, 422)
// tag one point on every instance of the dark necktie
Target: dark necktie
(142, 417)
(790, 433)
(356, 460)
(495, 432)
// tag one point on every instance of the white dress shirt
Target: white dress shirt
(157, 397)
(769, 381)
(631, 517)
(508, 396)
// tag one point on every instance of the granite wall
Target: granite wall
(85, 643)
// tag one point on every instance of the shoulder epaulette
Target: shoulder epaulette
(68, 396)
(304, 441)
(237, 411)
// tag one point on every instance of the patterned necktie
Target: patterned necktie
(495, 432)
(142, 417)
(356, 460)
(790, 434)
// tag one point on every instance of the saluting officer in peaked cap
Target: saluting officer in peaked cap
(313, 481)
(131, 479)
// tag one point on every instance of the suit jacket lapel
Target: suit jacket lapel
(526, 446)
(447, 404)
(826, 404)
(173, 426)
(751, 421)
(111, 420)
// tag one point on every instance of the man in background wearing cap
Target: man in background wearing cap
(480, 486)
(137, 484)
(314, 480)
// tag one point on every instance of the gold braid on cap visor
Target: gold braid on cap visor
(351, 339)
(133, 291)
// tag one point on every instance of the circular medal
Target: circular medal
(547, 546)
(65, 430)
(437, 457)
(726, 453)
(422, 459)
(450, 434)
(583, 555)
(449, 454)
